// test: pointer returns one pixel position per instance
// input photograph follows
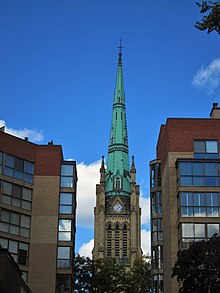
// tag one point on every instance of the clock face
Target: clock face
(117, 207)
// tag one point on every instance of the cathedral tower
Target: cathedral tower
(117, 211)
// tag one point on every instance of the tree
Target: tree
(211, 21)
(198, 268)
(83, 272)
(139, 278)
(106, 276)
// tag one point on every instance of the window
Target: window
(16, 195)
(157, 257)
(125, 241)
(1, 157)
(109, 241)
(66, 203)
(19, 250)
(199, 174)
(196, 232)
(158, 283)
(206, 149)
(67, 175)
(155, 176)
(14, 223)
(157, 233)
(117, 241)
(199, 204)
(117, 182)
(63, 284)
(63, 257)
(156, 204)
(18, 168)
(65, 227)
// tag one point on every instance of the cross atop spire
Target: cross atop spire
(120, 47)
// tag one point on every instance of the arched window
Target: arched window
(109, 241)
(125, 241)
(117, 182)
(117, 241)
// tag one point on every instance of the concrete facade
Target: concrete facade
(37, 212)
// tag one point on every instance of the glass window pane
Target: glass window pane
(198, 169)
(25, 232)
(210, 169)
(5, 216)
(64, 236)
(13, 246)
(65, 209)
(187, 212)
(185, 168)
(211, 181)
(66, 198)
(67, 170)
(9, 161)
(15, 219)
(4, 227)
(6, 199)
(14, 229)
(26, 205)
(188, 230)
(4, 242)
(1, 156)
(17, 190)
(63, 252)
(65, 225)
(28, 178)
(199, 212)
(9, 171)
(25, 221)
(199, 146)
(28, 167)
(26, 194)
(16, 202)
(200, 230)
(186, 199)
(212, 229)
(212, 199)
(19, 164)
(7, 188)
(198, 181)
(213, 212)
(67, 182)
(211, 146)
(18, 175)
(185, 181)
(199, 199)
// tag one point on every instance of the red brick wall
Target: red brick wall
(178, 134)
(47, 158)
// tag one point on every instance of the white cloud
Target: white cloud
(32, 135)
(145, 209)
(86, 249)
(146, 242)
(88, 177)
(208, 77)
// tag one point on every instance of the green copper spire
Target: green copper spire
(117, 176)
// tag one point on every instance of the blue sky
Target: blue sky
(58, 63)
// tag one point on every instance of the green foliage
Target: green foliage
(106, 276)
(198, 268)
(211, 21)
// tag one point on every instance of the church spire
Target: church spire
(118, 177)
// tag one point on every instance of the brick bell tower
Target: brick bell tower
(117, 211)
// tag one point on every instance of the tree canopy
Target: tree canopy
(106, 276)
(198, 268)
(211, 20)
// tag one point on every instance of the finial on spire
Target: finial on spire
(120, 47)
(120, 53)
